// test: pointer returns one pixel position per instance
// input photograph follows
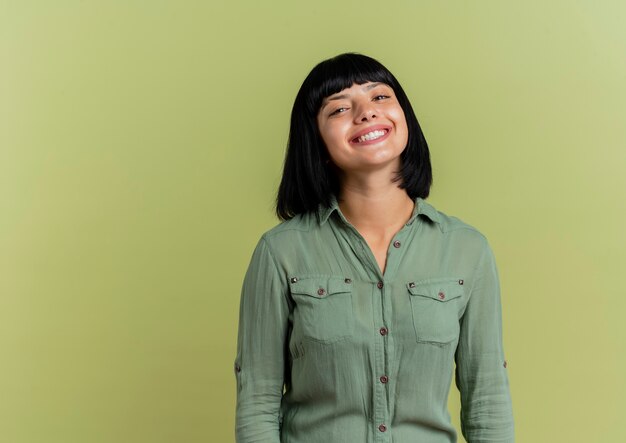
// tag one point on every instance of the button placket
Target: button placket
(381, 396)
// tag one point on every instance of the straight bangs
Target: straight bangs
(339, 73)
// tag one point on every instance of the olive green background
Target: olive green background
(141, 144)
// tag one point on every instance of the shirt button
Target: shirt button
(347, 280)
(384, 379)
(237, 368)
(382, 428)
(321, 291)
(505, 363)
(383, 331)
(380, 285)
(396, 244)
(442, 295)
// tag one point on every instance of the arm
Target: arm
(259, 364)
(481, 374)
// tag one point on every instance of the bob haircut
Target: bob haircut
(309, 177)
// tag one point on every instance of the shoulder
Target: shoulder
(289, 231)
(456, 227)
(299, 223)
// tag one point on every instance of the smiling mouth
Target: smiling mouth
(371, 136)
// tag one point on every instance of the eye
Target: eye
(336, 111)
(381, 95)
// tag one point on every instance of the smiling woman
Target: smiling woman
(360, 306)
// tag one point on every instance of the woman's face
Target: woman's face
(363, 127)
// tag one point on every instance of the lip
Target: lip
(370, 129)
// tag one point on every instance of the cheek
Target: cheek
(405, 129)
(332, 135)
(402, 125)
(400, 117)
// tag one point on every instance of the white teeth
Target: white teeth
(371, 135)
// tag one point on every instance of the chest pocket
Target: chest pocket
(435, 304)
(323, 310)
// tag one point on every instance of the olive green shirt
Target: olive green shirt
(332, 350)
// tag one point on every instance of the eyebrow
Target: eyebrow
(342, 96)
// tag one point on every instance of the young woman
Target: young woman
(359, 307)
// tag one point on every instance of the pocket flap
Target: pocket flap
(440, 290)
(320, 286)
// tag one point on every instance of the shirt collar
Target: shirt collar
(421, 207)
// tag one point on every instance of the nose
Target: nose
(366, 111)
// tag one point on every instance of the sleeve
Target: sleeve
(481, 374)
(261, 339)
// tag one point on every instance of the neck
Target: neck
(379, 209)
